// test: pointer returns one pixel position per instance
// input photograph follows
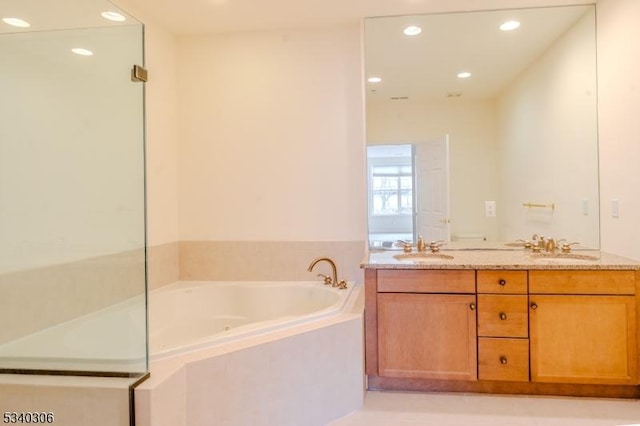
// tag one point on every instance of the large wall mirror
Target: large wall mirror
(482, 127)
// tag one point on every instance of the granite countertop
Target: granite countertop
(499, 259)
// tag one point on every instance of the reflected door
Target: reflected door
(432, 189)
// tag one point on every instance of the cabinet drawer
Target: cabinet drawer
(426, 281)
(582, 282)
(503, 316)
(503, 359)
(509, 282)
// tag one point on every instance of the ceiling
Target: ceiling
(426, 66)
(217, 16)
(47, 15)
(401, 67)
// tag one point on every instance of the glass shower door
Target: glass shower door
(72, 193)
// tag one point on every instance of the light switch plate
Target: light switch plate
(615, 208)
(490, 208)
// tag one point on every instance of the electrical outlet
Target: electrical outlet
(585, 207)
(490, 208)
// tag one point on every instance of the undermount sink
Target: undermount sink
(564, 257)
(423, 256)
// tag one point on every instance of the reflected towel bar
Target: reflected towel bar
(551, 206)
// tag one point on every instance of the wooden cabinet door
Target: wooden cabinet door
(430, 336)
(583, 339)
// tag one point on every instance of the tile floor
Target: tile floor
(405, 409)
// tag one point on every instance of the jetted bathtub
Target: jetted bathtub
(189, 315)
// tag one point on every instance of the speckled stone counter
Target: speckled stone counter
(499, 259)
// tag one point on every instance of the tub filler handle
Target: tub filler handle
(326, 278)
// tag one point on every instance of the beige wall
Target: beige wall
(253, 137)
(161, 124)
(162, 135)
(162, 144)
(619, 127)
(271, 153)
(271, 145)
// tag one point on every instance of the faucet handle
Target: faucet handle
(566, 247)
(525, 243)
(406, 246)
(327, 279)
(435, 245)
(341, 285)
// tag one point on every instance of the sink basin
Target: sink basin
(423, 256)
(567, 258)
(519, 245)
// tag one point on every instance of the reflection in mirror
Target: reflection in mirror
(519, 110)
(391, 200)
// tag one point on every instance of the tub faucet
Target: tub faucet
(334, 272)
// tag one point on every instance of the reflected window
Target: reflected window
(392, 189)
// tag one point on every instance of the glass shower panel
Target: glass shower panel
(72, 200)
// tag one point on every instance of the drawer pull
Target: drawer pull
(534, 306)
(503, 316)
(503, 360)
(502, 282)
(472, 306)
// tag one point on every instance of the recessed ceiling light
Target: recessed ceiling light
(81, 51)
(412, 30)
(509, 25)
(113, 16)
(374, 79)
(16, 22)
(464, 74)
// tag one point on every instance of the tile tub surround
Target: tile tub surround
(164, 264)
(308, 374)
(41, 297)
(74, 401)
(267, 260)
(499, 259)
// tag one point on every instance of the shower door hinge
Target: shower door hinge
(138, 74)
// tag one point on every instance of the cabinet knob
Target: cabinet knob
(502, 282)
(534, 305)
(472, 306)
(503, 316)
(503, 360)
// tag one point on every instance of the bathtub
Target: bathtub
(184, 316)
(190, 315)
(111, 339)
(261, 353)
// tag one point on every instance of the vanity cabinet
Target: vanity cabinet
(503, 325)
(583, 327)
(528, 331)
(427, 325)
(429, 336)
